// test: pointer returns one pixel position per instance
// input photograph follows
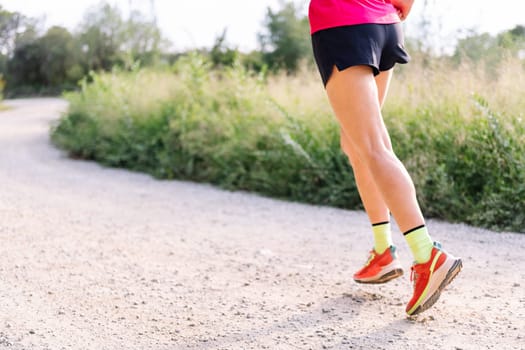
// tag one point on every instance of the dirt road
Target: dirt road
(97, 258)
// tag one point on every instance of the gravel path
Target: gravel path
(97, 258)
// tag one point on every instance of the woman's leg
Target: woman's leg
(355, 98)
(372, 199)
(383, 265)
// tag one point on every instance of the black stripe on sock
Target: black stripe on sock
(381, 223)
(412, 230)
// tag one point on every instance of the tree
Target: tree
(101, 37)
(59, 58)
(286, 40)
(475, 47)
(11, 24)
(108, 39)
(47, 63)
(23, 68)
(513, 39)
(220, 54)
(491, 49)
(142, 38)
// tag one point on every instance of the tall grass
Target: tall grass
(459, 132)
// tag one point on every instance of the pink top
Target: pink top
(324, 14)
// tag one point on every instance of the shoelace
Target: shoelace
(413, 274)
(370, 258)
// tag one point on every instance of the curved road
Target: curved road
(97, 258)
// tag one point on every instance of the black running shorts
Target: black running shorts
(379, 46)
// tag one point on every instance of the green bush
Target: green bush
(277, 136)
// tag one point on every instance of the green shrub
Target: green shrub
(277, 136)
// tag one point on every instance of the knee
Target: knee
(346, 149)
(350, 153)
(367, 153)
(357, 164)
(373, 156)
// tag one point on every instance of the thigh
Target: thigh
(383, 84)
(354, 96)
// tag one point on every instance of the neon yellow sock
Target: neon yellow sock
(382, 236)
(420, 243)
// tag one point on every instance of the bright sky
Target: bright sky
(196, 23)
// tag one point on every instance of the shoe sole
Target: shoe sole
(451, 274)
(385, 278)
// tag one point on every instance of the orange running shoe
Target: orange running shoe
(430, 278)
(380, 268)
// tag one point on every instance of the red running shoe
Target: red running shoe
(380, 268)
(431, 278)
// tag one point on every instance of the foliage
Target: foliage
(107, 39)
(47, 64)
(101, 37)
(11, 24)
(489, 50)
(277, 136)
(286, 40)
(220, 54)
(45, 61)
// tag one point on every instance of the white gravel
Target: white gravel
(98, 258)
